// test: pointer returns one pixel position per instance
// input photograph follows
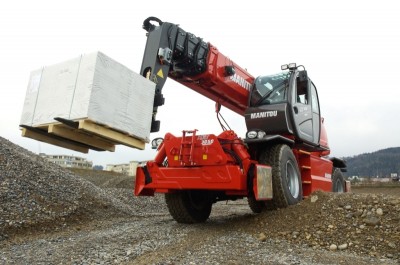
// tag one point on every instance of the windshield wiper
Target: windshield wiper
(270, 92)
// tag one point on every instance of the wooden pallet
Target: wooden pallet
(81, 136)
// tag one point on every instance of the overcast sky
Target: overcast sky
(351, 50)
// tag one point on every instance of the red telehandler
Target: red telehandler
(282, 159)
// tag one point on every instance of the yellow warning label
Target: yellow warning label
(176, 158)
(160, 73)
(205, 157)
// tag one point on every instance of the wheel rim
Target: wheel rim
(292, 179)
(339, 186)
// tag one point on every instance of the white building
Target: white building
(68, 161)
(127, 169)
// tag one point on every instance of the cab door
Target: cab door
(316, 114)
(306, 119)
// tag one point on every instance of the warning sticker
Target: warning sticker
(160, 73)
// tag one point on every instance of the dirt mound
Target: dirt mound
(106, 179)
(35, 193)
(367, 224)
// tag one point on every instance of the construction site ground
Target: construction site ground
(51, 215)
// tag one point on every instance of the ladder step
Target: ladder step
(306, 167)
(304, 152)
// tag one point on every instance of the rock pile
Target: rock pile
(35, 193)
(367, 224)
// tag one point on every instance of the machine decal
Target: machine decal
(240, 81)
(160, 73)
(303, 109)
(328, 176)
(264, 114)
(204, 139)
(207, 142)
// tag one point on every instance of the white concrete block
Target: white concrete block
(93, 87)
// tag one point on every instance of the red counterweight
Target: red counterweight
(206, 162)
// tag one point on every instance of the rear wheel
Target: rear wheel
(286, 178)
(338, 183)
(189, 206)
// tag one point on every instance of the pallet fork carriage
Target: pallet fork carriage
(282, 159)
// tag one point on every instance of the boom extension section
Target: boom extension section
(172, 52)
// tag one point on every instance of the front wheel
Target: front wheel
(286, 178)
(255, 206)
(189, 206)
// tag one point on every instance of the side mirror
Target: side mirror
(303, 76)
(156, 142)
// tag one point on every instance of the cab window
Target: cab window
(302, 95)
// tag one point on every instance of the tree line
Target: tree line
(377, 164)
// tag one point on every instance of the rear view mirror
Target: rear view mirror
(156, 142)
(303, 76)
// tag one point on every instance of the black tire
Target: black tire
(286, 178)
(189, 207)
(338, 183)
(255, 206)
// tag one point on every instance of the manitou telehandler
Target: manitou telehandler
(282, 159)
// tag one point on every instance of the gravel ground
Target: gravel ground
(50, 215)
(105, 179)
(38, 194)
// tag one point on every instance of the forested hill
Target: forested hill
(380, 163)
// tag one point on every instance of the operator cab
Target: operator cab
(285, 104)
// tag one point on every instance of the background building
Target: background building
(126, 169)
(68, 161)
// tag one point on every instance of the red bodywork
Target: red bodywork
(207, 162)
(314, 171)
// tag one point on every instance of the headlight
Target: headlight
(255, 134)
(261, 134)
(251, 134)
(292, 66)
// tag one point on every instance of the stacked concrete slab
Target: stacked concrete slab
(92, 89)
